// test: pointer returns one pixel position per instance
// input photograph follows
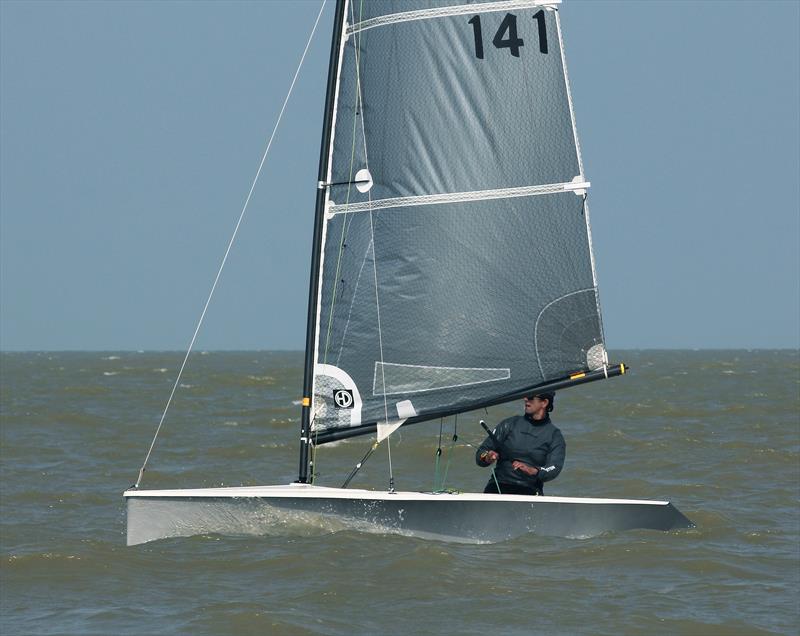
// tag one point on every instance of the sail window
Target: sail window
(393, 379)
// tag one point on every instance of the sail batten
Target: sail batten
(577, 185)
(456, 270)
(448, 10)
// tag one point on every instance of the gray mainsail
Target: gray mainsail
(455, 253)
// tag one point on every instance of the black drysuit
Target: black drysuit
(535, 442)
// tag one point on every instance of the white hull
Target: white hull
(463, 517)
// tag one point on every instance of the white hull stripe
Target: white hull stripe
(441, 12)
(456, 197)
(312, 492)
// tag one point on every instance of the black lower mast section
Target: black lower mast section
(316, 258)
(556, 385)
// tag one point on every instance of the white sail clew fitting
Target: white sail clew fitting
(596, 357)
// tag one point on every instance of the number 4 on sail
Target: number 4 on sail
(452, 268)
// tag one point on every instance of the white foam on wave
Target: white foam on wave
(261, 378)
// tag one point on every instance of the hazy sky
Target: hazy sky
(131, 132)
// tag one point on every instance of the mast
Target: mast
(319, 220)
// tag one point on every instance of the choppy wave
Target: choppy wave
(716, 433)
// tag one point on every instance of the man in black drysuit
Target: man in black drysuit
(529, 449)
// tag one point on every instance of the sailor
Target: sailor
(529, 449)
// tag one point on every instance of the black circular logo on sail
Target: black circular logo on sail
(343, 398)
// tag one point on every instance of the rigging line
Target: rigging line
(494, 477)
(372, 229)
(313, 459)
(312, 419)
(358, 465)
(496, 483)
(360, 103)
(230, 245)
(345, 225)
(391, 474)
(352, 303)
(450, 450)
(438, 456)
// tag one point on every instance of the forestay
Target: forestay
(456, 262)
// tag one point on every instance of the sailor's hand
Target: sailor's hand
(489, 456)
(522, 466)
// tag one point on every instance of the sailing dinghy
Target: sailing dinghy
(452, 270)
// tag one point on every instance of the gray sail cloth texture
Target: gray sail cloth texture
(433, 309)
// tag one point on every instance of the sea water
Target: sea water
(715, 432)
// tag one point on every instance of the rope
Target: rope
(228, 250)
(496, 483)
(438, 455)
(358, 466)
(360, 112)
(494, 477)
(345, 225)
(391, 474)
(450, 451)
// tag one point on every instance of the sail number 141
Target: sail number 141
(506, 36)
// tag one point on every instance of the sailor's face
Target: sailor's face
(535, 406)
